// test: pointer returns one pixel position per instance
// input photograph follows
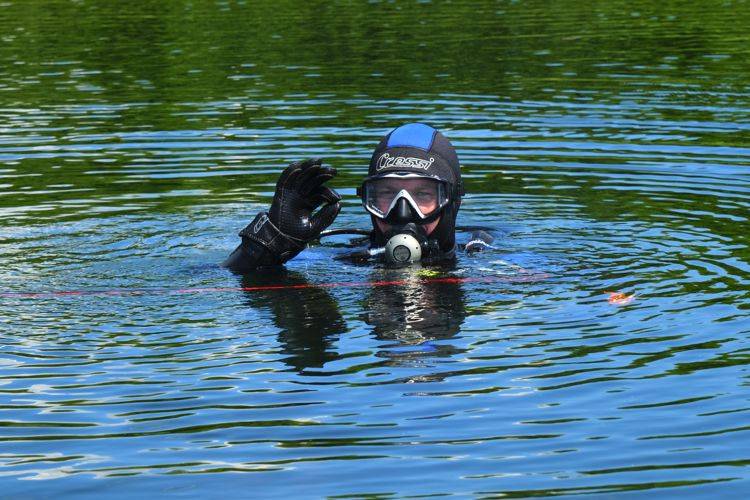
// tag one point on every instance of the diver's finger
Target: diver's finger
(292, 170)
(311, 161)
(288, 177)
(302, 166)
(324, 217)
(324, 195)
(313, 184)
(305, 178)
(325, 174)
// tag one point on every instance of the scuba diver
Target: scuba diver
(412, 192)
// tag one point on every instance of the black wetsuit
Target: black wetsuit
(250, 256)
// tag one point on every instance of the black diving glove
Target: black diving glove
(286, 229)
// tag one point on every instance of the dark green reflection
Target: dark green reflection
(203, 50)
(308, 316)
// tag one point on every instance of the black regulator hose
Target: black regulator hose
(334, 232)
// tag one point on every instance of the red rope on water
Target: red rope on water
(348, 284)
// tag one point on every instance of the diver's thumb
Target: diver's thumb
(324, 217)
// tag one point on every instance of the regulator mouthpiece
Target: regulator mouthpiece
(403, 249)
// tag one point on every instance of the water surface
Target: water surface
(606, 143)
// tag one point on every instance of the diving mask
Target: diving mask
(402, 198)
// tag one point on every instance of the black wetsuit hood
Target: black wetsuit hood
(421, 149)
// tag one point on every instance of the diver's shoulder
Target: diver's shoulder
(479, 241)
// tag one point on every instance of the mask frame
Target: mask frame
(443, 197)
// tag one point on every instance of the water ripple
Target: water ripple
(606, 146)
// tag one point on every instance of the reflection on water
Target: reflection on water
(308, 317)
(606, 142)
(409, 317)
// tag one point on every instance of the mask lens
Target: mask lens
(426, 196)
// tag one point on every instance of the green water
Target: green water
(607, 143)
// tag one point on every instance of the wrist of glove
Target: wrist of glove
(278, 246)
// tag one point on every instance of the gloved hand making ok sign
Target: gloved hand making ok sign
(299, 192)
(290, 224)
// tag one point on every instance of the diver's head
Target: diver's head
(414, 187)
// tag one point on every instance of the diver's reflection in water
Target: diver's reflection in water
(409, 316)
(308, 316)
(414, 314)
